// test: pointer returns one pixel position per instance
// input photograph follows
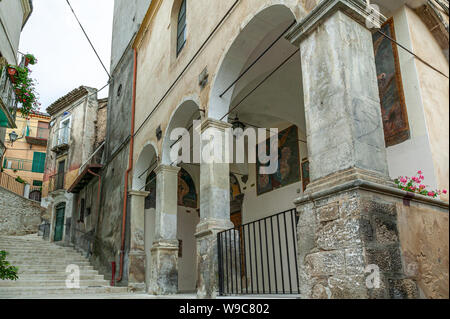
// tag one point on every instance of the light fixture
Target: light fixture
(13, 137)
(237, 124)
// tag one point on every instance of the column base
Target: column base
(350, 246)
(164, 268)
(207, 256)
(136, 268)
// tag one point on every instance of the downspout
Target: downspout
(130, 168)
(98, 190)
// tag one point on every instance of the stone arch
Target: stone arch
(143, 166)
(262, 29)
(182, 117)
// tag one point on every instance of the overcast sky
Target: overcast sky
(65, 58)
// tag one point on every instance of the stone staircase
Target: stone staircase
(42, 271)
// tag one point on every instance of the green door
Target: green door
(59, 225)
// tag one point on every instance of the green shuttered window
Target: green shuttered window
(38, 162)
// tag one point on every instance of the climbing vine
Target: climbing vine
(6, 270)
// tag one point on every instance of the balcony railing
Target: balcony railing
(57, 182)
(8, 182)
(8, 99)
(17, 164)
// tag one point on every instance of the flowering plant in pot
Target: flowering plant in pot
(30, 59)
(415, 185)
(24, 87)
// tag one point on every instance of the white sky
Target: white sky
(65, 58)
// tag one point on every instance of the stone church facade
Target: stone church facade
(354, 109)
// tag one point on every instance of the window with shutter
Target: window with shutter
(38, 162)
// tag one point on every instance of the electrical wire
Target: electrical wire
(87, 37)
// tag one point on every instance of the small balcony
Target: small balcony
(41, 137)
(8, 100)
(16, 164)
(57, 182)
(61, 144)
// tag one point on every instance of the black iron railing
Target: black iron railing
(260, 257)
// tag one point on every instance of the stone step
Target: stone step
(34, 259)
(42, 271)
(51, 267)
(50, 283)
(58, 276)
(36, 292)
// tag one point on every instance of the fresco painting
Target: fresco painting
(393, 107)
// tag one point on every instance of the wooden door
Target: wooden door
(59, 223)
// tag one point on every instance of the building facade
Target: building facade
(13, 17)
(128, 16)
(71, 145)
(352, 109)
(25, 158)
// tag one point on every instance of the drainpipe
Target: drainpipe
(127, 173)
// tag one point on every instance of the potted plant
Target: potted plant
(30, 59)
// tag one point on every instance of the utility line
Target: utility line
(412, 53)
(87, 37)
(261, 83)
(259, 58)
(186, 67)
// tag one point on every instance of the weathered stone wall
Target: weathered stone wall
(18, 215)
(345, 233)
(424, 237)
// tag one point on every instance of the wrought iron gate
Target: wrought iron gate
(260, 257)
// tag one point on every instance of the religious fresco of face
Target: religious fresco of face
(187, 196)
(288, 163)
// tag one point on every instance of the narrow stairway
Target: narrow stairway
(42, 271)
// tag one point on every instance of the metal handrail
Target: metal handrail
(7, 94)
(10, 183)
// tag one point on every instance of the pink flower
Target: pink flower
(419, 172)
(431, 194)
(422, 186)
(422, 177)
(444, 191)
(403, 180)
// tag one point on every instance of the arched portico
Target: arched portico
(142, 220)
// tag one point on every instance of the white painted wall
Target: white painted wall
(187, 265)
(11, 20)
(407, 158)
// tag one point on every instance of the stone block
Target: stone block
(387, 258)
(328, 213)
(326, 263)
(348, 287)
(386, 230)
(339, 234)
(403, 289)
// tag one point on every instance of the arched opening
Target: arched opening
(187, 193)
(143, 222)
(179, 27)
(268, 95)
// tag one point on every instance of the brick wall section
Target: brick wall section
(18, 215)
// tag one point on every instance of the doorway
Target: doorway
(59, 222)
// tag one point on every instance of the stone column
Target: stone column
(214, 208)
(345, 228)
(136, 265)
(164, 268)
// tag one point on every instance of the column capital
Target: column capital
(138, 193)
(359, 10)
(212, 123)
(167, 168)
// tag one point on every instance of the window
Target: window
(37, 183)
(181, 29)
(64, 132)
(38, 162)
